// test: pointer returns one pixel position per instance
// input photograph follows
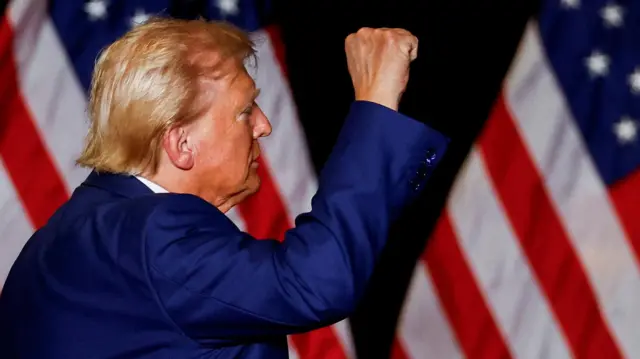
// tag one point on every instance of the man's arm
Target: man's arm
(217, 283)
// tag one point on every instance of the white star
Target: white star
(626, 130)
(612, 15)
(570, 4)
(96, 9)
(139, 18)
(634, 81)
(598, 63)
(228, 7)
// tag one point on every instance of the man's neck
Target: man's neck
(163, 184)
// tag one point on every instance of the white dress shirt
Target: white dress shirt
(152, 186)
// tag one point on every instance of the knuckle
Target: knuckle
(364, 30)
(386, 32)
(387, 35)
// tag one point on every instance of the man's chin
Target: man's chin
(253, 185)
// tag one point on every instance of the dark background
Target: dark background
(466, 47)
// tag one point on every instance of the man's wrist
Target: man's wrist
(379, 99)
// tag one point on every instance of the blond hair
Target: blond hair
(147, 81)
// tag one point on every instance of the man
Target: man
(141, 262)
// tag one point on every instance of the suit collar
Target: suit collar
(123, 185)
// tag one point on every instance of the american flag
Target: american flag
(47, 53)
(536, 253)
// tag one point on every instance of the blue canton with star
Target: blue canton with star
(594, 50)
(86, 27)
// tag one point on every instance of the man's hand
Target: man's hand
(378, 61)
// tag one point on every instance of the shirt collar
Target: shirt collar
(152, 186)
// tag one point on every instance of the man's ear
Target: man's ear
(178, 148)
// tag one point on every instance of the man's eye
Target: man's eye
(249, 109)
(246, 113)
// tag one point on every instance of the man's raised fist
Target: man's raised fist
(378, 61)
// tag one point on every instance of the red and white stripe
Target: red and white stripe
(43, 107)
(534, 257)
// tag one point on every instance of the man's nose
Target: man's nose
(262, 126)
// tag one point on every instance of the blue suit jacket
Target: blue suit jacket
(121, 272)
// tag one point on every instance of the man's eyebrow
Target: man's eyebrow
(256, 93)
(252, 99)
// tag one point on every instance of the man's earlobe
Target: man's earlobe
(178, 148)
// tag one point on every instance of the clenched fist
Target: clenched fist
(378, 61)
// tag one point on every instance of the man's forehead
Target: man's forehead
(243, 82)
(244, 90)
(239, 86)
(248, 87)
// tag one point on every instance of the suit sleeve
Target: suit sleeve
(219, 284)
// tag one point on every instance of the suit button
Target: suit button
(421, 172)
(415, 184)
(430, 156)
